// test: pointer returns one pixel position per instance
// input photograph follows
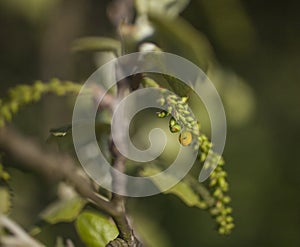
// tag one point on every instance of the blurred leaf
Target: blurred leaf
(182, 190)
(168, 82)
(63, 211)
(169, 8)
(238, 98)
(179, 37)
(5, 200)
(230, 17)
(4, 175)
(59, 242)
(5, 193)
(95, 230)
(31, 9)
(97, 44)
(35, 230)
(104, 117)
(151, 232)
(199, 189)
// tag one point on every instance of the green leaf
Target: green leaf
(95, 230)
(179, 37)
(178, 86)
(169, 82)
(97, 44)
(182, 189)
(149, 229)
(4, 175)
(63, 210)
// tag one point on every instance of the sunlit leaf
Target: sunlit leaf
(63, 211)
(182, 190)
(95, 230)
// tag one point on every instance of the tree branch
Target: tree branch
(50, 165)
(59, 167)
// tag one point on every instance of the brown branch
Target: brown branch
(108, 100)
(120, 11)
(50, 165)
(118, 200)
(121, 220)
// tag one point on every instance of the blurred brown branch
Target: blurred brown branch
(120, 11)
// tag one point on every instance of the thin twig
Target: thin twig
(120, 11)
(18, 238)
(126, 231)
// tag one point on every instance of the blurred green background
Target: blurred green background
(258, 45)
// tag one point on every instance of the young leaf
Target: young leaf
(182, 190)
(63, 210)
(95, 230)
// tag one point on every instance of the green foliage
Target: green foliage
(97, 44)
(4, 175)
(25, 94)
(95, 229)
(65, 210)
(157, 21)
(5, 199)
(182, 190)
(150, 230)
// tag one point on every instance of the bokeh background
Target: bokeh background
(257, 45)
